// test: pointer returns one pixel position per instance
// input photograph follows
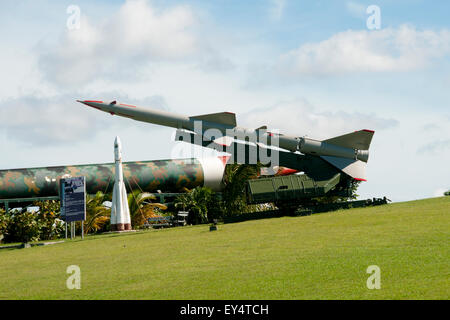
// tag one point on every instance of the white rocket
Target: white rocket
(120, 213)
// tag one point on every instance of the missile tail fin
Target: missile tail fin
(354, 168)
(356, 140)
(226, 118)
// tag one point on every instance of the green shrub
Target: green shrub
(4, 222)
(23, 226)
(48, 218)
(202, 203)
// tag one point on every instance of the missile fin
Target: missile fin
(226, 118)
(354, 168)
(224, 141)
(356, 140)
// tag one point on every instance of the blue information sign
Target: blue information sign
(73, 199)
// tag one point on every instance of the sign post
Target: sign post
(73, 202)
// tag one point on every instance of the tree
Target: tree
(23, 226)
(4, 222)
(142, 207)
(97, 214)
(199, 202)
(48, 217)
(233, 194)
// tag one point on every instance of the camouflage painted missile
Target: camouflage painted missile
(149, 176)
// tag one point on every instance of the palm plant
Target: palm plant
(142, 207)
(97, 214)
(197, 201)
(234, 180)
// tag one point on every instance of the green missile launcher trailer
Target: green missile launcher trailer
(298, 194)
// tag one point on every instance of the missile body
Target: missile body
(150, 176)
(342, 151)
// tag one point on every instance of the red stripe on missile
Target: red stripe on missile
(127, 105)
(286, 172)
(367, 130)
(224, 159)
(93, 101)
(359, 179)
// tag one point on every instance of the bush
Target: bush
(48, 218)
(23, 226)
(202, 203)
(4, 222)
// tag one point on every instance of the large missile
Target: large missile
(349, 153)
(150, 176)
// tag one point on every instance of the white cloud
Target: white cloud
(434, 147)
(277, 9)
(57, 120)
(402, 49)
(120, 46)
(300, 118)
(356, 9)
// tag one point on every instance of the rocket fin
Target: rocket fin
(224, 141)
(354, 168)
(226, 118)
(356, 140)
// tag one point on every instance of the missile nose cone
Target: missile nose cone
(90, 103)
(81, 101)
(117, 143)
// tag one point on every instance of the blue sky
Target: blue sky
(304, 67)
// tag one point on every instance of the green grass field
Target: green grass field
(323, 256)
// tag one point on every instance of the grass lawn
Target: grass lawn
(323, 256)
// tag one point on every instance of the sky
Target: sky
(307, 68)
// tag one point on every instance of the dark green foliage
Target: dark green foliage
(4, 221)
(24, 226)
(447, 193)
(142, 207)
(48, 218)
(97, 215)
(233, 195)
(205, 206)
(198, 202)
